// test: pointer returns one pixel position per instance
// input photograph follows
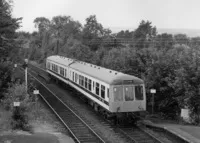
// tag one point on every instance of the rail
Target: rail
(80, 131)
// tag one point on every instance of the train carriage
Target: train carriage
(108, 90)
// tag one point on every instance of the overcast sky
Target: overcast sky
(113, 14)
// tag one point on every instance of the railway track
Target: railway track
(134, 134)
(80, 131)
(138, 135)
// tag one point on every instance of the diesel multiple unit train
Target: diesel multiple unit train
(112, 93)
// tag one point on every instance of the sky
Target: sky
(113, 14)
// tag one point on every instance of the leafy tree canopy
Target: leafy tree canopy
(8, 26)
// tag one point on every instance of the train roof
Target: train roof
(106, 75)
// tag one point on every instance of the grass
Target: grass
(5, 120)
(38, 115)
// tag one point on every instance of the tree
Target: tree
(163, 41)
(42, 23)
(92, 29)
(57, 28)
(181, 39)
(144, 34)
(124, 34)
(9, 46)
(8, 26)
(5, 76)
(93, 32)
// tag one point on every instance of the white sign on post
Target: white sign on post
(36, 92)
(16, 104)
(26, 60)
(15, 65)
(152, 91)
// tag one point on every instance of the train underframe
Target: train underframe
(117, 118)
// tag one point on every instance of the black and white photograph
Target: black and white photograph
(99, 71)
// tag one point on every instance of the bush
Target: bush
(17, 93)
(19, 119)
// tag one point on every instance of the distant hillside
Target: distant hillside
(188, 32)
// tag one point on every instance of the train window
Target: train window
(53, 67)
(73, 77)
(129, 96)
(61, 71)
(76, 77)
(118, 93)
(82, 81)
(86, 82)
(108, 93)
(89, 84)
(79, 79)
(97, 88)
(102, 91)
(56, 68)
(138, 92)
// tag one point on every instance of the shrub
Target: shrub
(17, 93)
(19, 118)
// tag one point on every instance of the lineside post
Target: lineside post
(26, 74)
(153, 91)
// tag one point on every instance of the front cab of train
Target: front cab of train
(128, 96)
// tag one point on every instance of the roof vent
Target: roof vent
(91, 65)
(116, 73)
(110, 71)
(95, 66)
(99, 68)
